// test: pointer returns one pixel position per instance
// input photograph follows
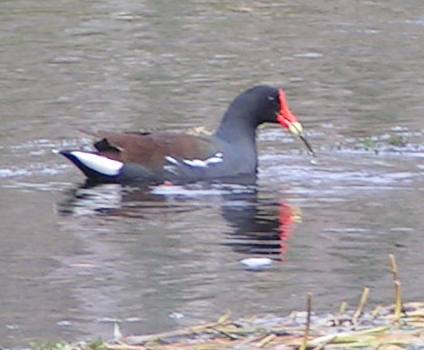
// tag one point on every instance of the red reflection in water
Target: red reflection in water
(288, 216)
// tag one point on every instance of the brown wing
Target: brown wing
(150, 149)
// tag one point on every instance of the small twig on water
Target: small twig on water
(308, 321)
(377, 311)
(265, 341)
(226, 333)
(329, 340)
(109, 346)
(338, 318)
(140, 340)
(399, 309)
(394, 267)
(343, 308)
(398, 302)
(360, 310)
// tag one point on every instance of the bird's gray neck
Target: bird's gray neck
(240, 138)
(237, 125)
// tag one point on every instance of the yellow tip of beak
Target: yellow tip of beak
(296, 128)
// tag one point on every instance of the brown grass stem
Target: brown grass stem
(394, 267)
(308, 322)
(360, 310)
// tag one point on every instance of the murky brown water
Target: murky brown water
(72, 259)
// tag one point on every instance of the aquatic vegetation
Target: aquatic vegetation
(397, 141)
(369, 144)
(375, 144)
(95, 345)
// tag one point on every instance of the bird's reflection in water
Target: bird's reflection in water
(263, 227)
(260, 224)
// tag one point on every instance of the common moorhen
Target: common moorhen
(164, 156)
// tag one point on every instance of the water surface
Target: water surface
(74, 258)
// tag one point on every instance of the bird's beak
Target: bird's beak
(297, 129)
(289, 121)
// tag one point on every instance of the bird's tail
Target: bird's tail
(96, 167)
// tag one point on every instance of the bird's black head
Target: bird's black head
(267, 104)
(262, 104)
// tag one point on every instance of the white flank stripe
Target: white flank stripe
(171, 160)
(100, 164)
(216, 158)
(196, 163)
